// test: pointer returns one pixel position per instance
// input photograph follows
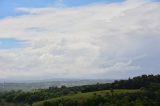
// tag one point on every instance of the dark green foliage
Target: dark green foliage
(136, 82)
(127, 99)
(149, 84)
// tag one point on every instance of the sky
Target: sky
(85, 39)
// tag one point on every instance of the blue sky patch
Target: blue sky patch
(155, 0)
(87, 2)
(11, 43)
(8, 7)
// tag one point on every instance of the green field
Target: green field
(139, 91)
(83, 96)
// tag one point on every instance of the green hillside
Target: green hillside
(81, 97)
(139, 91)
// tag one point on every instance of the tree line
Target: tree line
(148, 83)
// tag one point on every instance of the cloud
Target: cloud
(96, 41)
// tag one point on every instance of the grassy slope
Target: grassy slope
(84, 96)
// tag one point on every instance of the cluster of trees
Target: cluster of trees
(145, 82)
(137, 82)
(127, 99)
(22, 97)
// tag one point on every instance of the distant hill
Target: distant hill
(30, 85)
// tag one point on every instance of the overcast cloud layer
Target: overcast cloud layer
(115, 40)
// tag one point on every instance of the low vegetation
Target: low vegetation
(139, 91)
(81, 98)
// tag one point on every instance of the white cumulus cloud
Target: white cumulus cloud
(95, 41)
